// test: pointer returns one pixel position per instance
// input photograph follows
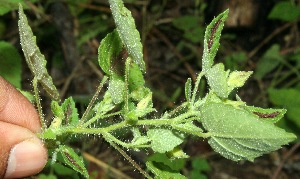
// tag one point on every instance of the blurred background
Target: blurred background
(259, 36)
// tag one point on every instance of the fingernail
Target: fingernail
(26, 158)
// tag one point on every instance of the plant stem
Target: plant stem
(196, 87)
(189, 116)
(87, 111)
(38, 102)
(101, 116)
(128, 158)
(127, 63)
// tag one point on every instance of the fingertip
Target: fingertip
(16, 109)
(26, 158)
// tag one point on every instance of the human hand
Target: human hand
(21, 152)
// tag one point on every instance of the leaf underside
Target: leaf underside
(128, 32)
(34, 58)
(239, 135)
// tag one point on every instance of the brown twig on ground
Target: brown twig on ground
(268, 38)
(110, 170)
(69, 79)
(284, 159)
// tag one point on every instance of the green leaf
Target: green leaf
(176, 153)
(288, 98)
(237, 79)
(285, 11)
(66, 114)
(200, 164)
(270, 115)
(188, 89)
(191, 25)
(140, 93)
(173, 164)
(50, 176)
(187, 23)
(128, 32)
(70, 112)
(164, 140)
(135, 78)
(116, 89)
(35, 60)
(236, 60)
(73, 160)
(269, 61)
(239, 135)
(211, 40)
(109, 50)
(10, 5)
(162, 171)
(10, 64)
(105, 105)
(145, 103)
(143, 107)
(217, 80)
(138, 139)
(49, 134)
(62, 170)
(57, 109)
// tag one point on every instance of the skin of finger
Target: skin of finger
(16, 109)
(10, 135)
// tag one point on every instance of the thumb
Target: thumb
(22, 153)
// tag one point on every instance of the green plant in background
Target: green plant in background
(283, 90)
(199, 165)
(233, 129)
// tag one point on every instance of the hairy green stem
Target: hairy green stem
(189, 116)
(127, 63)
(201, 74)
(87, 111)
(38, 102)
(97, 117)
(127, 157)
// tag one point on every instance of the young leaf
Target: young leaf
(138, 139)
(35, 60)
(128, 32)
(109, 50)
(73, 160)
(271, 115)
(217, 80)
(163, 140)
(239, 135)
(237, 79)
(105, 105)
(211, 40)
(177, 153)
(116, 89)
(145, 103)
(173, 164)
(161, 171)
(70, 112)
(135, 77)
(140, 93)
